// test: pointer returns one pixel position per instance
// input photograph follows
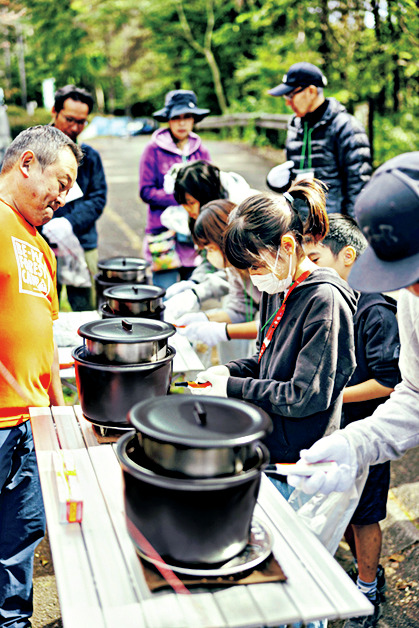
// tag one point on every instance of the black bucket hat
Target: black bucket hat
(178, 102)
(387, 211)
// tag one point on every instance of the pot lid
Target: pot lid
(200, 421)
(133, 292)
(122, 263)
(126, 330)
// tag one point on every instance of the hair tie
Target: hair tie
(289, 198)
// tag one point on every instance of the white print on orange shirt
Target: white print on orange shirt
(34, 277)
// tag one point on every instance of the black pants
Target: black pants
(80, 299)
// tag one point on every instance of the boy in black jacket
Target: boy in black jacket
(376, 374)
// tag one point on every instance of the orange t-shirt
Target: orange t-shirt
(28, 305)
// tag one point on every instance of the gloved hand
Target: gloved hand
(182, 303)
(218, 382)
(334, 447)
(179, 286)
(59, 232)
(209, 332)
(193, 317)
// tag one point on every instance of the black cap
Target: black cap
(387, 211)
(299, 75)
(178, 102)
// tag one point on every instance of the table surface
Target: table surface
(99, 578)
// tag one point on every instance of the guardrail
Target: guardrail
(262, 120)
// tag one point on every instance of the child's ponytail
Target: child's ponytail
(312, 192)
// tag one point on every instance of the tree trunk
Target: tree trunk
(216, 77)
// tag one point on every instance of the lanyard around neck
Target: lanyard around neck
(306, 146)
(279, 315)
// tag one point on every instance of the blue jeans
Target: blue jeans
(22, 524)
(286, 491)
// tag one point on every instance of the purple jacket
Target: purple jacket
(158, 157)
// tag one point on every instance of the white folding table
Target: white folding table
(99, 578)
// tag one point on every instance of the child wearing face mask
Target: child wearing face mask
(236, 319)
(305, 353)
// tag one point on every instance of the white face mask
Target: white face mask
(216, 259)
(270, 283)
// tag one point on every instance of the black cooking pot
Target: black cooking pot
(126, 340)
(108, 391)
(188, 521)
(125, 269)
(134, 299)
(197, 436)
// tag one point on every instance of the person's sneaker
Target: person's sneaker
(381, 580)
(381, 583)
(366, 621)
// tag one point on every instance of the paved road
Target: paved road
(121, 231)
(121, 228)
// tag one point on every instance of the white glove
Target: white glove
(193, 317)
(218, 383)
(209, 332)
(334, 447)
(179, 286)
(182, 303)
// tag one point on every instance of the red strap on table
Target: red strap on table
(279, 315)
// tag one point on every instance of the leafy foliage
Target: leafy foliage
(130, 53)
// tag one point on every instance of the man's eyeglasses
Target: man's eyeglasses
(291, 95)
(71, 120)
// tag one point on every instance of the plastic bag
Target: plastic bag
(176, 218)
(162, 248)
(328, 516)
(72, 270)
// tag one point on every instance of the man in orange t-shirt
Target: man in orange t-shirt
(39, 168)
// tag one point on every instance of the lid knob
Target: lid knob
(135, 289)
(126, 325)
(124, 261)
(200, 414)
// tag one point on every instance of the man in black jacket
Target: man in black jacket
(72, 105)
(324, 140)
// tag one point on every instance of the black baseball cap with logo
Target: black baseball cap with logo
(387, 211)
(299, 75)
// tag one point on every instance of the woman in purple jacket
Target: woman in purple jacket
(175, 144)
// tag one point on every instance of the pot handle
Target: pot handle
(262, 452)
(126, 325)
(200, 414)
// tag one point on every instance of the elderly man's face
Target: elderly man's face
(44, 191)
(302, 102)
(72, 118)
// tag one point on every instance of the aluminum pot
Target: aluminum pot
(126, 269)
(126, 340)
(106, 312)
(133, 299)
(188, 521)
(197, 436)
(108, 391)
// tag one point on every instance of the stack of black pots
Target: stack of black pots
(192, 471)
(120, 270)
(122, 361)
